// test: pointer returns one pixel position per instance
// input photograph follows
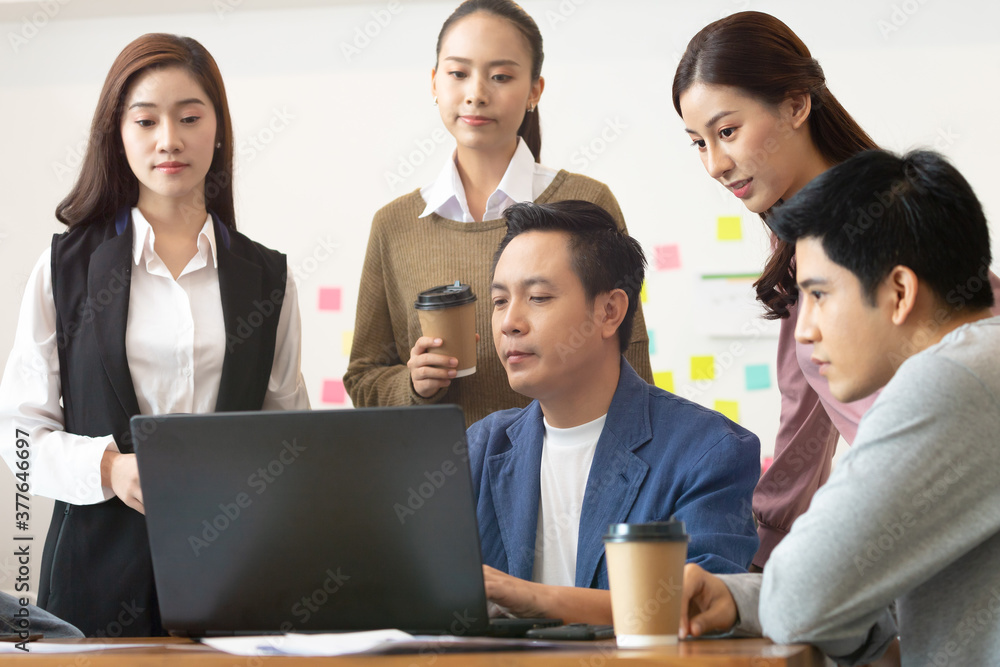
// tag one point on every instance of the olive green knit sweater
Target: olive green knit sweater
(408, 254)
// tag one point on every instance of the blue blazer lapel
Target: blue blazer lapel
(109, 281)
(515, 485)
(617, 474)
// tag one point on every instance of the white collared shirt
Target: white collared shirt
(523, 181)
(175, 343)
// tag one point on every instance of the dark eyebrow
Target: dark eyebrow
(811, 282)
(494, 63)
(712, 121)
(527, 282)
(150, 105)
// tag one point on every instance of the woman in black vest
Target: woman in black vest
(150, 303)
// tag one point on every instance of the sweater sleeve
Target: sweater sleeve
(637, 352)
(377, 374)
(919, 485)
(803, 450)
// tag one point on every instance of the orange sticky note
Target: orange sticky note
(730, 228)
(730, 409)
(664, 380)
(702, 368)
(346, 341)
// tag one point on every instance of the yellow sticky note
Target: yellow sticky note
(664, 380)
(642, 293)
(347, 339)
(730, 409)
(730, 228)
(702, 368)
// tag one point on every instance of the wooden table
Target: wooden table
(708, 653)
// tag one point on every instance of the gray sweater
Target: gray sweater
(911, 514)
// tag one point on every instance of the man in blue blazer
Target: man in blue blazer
(598, 445)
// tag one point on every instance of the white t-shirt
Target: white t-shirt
(567, 454)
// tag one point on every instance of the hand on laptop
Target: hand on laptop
(516, 596)
(706, 603)
(120, 472)
(528, 599)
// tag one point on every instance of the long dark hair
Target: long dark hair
(530, 130)
(762, 57)
(106, 181)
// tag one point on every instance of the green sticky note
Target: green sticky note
(730, 228)
(702, 368)
(664, 380)
(652, 341)
(758, 376)
(730, 409)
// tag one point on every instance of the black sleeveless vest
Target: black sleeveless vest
(96, 569)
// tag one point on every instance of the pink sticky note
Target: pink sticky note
(333, 391)
(668, 257)
(329, 298)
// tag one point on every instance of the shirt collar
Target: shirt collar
(143, 238)
(517, 182)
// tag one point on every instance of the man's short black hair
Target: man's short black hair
(603, 256)
(877, 210)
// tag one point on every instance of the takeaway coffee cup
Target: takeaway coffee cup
(448, 312)
(646, 575)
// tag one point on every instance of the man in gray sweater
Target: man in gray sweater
(892, 266)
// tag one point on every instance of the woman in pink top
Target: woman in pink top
(756, 106)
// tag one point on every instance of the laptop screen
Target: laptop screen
(312, 521)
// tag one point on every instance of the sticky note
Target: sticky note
(346, 341)
(642, 293)
(758, 376)
(329, 298)
(668, 257)
(333, 391)
(730, 228)
(730, 409)
(765, 464)
(664, 380)
(702, 368)
(652, 341)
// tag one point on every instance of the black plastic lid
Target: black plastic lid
(657, 531)
(445, 296)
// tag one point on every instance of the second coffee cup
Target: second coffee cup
(646, 577)
(448, 312)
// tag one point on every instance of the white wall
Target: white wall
(347, 122)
